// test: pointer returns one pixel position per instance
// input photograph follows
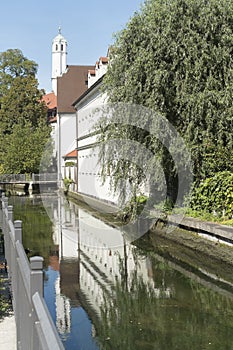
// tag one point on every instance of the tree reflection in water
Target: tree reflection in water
(183, 315)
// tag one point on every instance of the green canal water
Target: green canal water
(106, 293)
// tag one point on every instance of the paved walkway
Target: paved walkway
(7, 319)
(8, 333)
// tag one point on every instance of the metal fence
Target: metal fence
(35, 329)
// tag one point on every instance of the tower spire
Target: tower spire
(59, 54)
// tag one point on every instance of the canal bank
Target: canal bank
(190, 238)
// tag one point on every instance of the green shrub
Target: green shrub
(67, 183)
(70, 164)
(214, 195)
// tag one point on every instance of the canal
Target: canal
(106, 293)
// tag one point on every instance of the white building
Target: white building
(88, 110)
(59, 57)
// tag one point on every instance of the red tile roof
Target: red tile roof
(104, 59)
(50, 100)
(72, 154)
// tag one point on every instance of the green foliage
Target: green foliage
(70, 164)
(133, 207)
(202, 215)
(21, 103)
(14, 65)
(175, 57)
(165, 206)
(24, 147)
(214, 195)
(5, 305)
(67, 182)
(23, 129)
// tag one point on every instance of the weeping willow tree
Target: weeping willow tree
(176, 59)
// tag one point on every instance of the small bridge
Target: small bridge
(28, 178)
(29, 181)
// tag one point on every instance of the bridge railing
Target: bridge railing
(22, 178)
(46, 177)
(13, 178)
(35, 329)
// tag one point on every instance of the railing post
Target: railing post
(10, 213)
(18, 230)
(10, 243)
(5, 229)
(36, 282)
(15, 282)
(36, 285)
(5, 200)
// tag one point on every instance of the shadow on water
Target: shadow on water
(105, 293)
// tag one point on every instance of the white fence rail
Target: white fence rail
(22, 178)
(34, 326)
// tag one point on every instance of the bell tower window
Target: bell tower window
(56, 47)
(61, 47)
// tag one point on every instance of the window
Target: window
(56, 47)
(61, 47)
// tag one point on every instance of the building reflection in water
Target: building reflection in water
(93, 256)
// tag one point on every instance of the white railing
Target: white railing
(35, 329)
(13, 178)
(22, 178)
(46, 177)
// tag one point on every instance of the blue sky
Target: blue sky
(87, 25)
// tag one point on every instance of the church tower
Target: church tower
(59, 55)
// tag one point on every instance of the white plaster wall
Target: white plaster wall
(100, 70)
(89, 180)
(89, 113)
(67, 137)
(89, 170)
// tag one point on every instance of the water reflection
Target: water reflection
(95, 259)
(104, 293)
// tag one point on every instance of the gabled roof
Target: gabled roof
(70, 86)
(72, 154)
(98, 82)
